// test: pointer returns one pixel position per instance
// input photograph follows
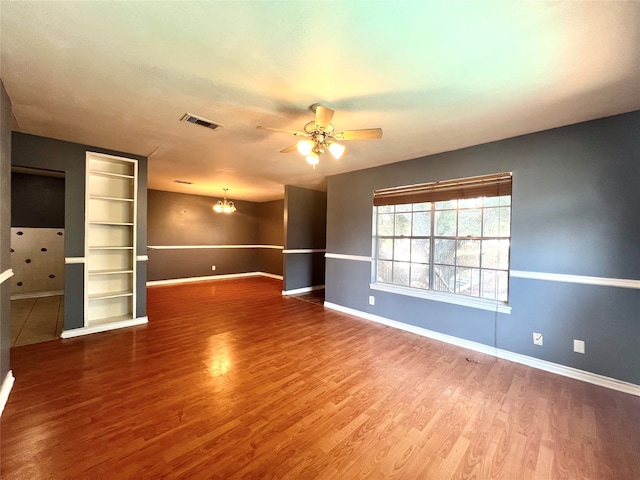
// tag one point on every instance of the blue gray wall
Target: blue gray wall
(576, 197)
(271, 232)
(177, 219)
(305, 214)
(32, 151)
(5, 229)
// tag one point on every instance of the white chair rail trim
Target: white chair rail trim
(6, 275)
(343, 256)
(582, 279)
(551, 277)
(5, 389)
(69, 260)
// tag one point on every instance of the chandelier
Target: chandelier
(224, 206)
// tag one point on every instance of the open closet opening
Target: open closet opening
(37, 255)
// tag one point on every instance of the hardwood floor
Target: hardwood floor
(231, 380)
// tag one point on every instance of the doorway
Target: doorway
(37, 255)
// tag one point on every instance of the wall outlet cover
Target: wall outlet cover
(537, 338)
(372, 300)
(213, 267)
(578, 346)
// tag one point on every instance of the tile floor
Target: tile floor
(35, 320)
(315, 296)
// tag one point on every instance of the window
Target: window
(450, 237)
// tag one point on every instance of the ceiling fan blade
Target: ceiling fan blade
(363, 134)
(290, 149)
(281, 130)
(323, 116)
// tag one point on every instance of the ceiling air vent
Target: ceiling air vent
(183, 182)
(188, 117)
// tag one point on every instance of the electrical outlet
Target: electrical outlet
(372, 300)
(578, 346)
(213, 267)
(537, 338)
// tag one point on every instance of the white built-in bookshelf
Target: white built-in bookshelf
(110, 253)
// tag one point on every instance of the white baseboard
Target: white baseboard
(7, 384)
(212, 277)
(558, 369)
(77, 332)
(269, 275)
(305, 250)
(302, 290)
(52, 293)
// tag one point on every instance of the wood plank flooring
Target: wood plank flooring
(231, 380)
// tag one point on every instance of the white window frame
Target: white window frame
(431, 294)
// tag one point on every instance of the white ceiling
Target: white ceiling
(436, 76)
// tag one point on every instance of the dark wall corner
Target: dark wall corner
(305, 237)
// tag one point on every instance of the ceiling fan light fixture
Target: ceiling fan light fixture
(312, 159)
(320, 135)
(305, 147)
(336, 150)
(224, 206)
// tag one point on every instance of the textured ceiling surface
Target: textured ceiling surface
(435, 76)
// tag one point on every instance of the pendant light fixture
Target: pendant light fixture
(224, 206)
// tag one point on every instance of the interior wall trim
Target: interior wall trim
(77, 332)
(142, 258)
(553, 277)
(171, 281)
(6, 275)
(270, 275)
(551, 367)
(51, 293)
(5, 390)
(186, 247)
(305, 250)
(302, 290)
(560, 277)
(342, 256)
(68, 260)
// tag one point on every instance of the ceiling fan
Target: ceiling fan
(320, 135)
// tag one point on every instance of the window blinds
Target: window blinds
(494, 185)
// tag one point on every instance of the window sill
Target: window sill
(482, 303)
